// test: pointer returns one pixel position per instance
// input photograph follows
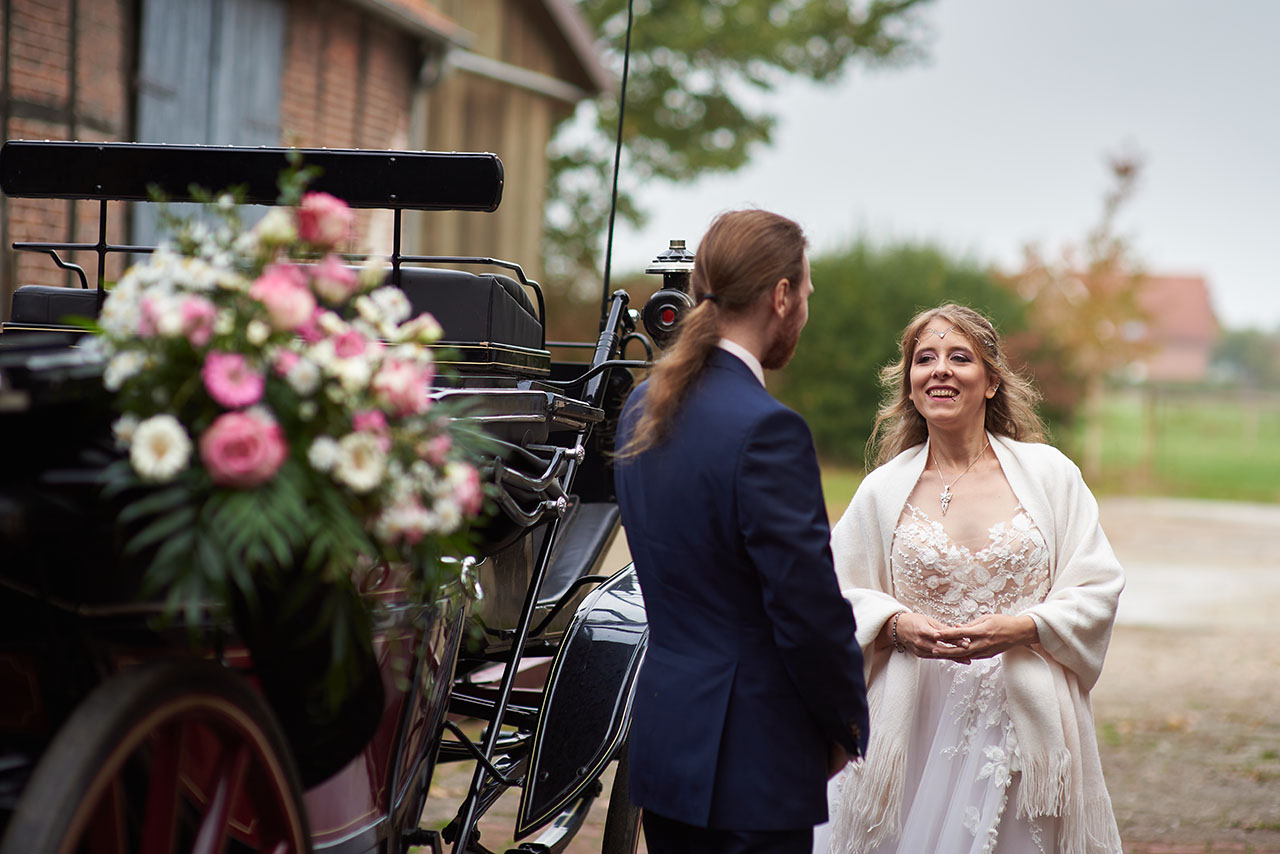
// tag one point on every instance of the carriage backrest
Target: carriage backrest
(489, 313)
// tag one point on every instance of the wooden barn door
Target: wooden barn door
(209, 73)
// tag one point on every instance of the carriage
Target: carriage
(119, 733)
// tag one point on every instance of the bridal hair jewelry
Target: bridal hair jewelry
(942, 334)
(945, 496)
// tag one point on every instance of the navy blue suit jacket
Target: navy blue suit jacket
(752, 666)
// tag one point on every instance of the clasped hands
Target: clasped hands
(984, 637)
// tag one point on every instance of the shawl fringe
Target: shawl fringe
(1046, 784)
(1090, 830)
(869, 806)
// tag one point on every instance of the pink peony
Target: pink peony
(334, 281)
(197, 320)
(243, 449)
(349, 344)
(231, 381)
(402, 387)
(323, 220)
(283, 290)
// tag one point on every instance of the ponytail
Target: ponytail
(743, 255)
(698, 335)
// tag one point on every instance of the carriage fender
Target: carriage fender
(586, 709)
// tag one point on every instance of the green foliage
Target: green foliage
(863, 297)
(697, 71)
(1249, 357)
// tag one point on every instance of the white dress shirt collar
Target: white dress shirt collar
(745, 355)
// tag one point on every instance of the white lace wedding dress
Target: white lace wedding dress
(962, 761)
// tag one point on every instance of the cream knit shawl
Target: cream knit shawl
(1047, 684)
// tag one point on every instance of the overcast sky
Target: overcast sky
(999, 138)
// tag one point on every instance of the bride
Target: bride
(984, 592)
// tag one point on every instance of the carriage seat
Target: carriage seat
(47, 305)
(474, 307)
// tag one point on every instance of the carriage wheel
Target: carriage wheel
(172, 755)
(622, 822)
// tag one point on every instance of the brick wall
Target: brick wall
(65, 67)
(348, 82)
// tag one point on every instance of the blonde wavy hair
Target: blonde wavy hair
(1011, 411)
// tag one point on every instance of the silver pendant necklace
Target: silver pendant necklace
(944, 497)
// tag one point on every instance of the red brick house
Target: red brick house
(1181, 330)
(487, 75)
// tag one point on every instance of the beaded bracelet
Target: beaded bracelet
(893, 630)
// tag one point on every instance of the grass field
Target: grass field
(1202, 445)
(1191, 445)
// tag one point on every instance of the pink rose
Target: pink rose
(284, 362)
(349, 344)
(243, 449)
(282, 289)
(231, 381)
(197, 320)
(436, 450)
(402, 387)
(324, 220)
(369, 421)
(334, 281)
(465, 481)
(311, 331)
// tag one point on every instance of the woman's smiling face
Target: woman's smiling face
(950, 385)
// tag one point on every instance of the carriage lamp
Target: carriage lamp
(663, 310)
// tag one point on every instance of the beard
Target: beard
(785, 339)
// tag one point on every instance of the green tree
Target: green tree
(1085, 303)
(1249, 357)
(694, 105)
(863, 297)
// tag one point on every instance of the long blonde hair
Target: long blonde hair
(1011, 411)
(743, 256)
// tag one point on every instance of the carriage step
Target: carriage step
(424, 838)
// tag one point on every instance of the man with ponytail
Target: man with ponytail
(751, 693)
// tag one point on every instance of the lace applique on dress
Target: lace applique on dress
(933, 575)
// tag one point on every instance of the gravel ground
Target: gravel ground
(1188, 707)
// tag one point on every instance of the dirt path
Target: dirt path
(1188, 707)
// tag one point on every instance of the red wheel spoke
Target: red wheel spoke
(160, 813)
(213, 828)
(108, 823)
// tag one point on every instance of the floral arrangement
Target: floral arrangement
(277, 415)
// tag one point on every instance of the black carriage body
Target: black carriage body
(69, 598)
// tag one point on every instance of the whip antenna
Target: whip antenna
(617, 159)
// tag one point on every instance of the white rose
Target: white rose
(225, 322)
(257, 332)
(323, 454)
(124, 428)
(276, 228)
(304, 377)
(361, 462)
(121, 367)
(160, 449)
(448, 514)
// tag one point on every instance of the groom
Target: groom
(751, 692)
